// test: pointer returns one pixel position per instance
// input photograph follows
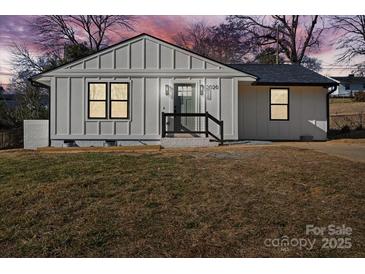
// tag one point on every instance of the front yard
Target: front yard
(217, 202)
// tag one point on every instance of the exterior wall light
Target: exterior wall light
(201, 90)
(167, 90)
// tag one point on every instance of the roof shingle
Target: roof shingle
(284, 74)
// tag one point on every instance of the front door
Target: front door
(184, 102)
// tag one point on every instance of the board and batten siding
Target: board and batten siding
(148, 65)
(307, 114)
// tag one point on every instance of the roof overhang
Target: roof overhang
(294, 84)
(40, 81)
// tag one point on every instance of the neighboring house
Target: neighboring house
(11, 101)
(349, 85)
(119, 96)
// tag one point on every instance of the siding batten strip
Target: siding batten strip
(173, 59)
(83, 107)
(255, 103)
(159, 56)
(69, 105)
(130, 105)
(205, 94)
(54, 106)
(219, 98)
(159, 106)
(129, 56)
(143, 105)
(235, 106)
(144, 54)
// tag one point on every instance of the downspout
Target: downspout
(36, 84)
(331, 90)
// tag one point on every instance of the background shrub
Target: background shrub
(359, 96)
(345, 129)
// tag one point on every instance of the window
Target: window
(279, 104)
(115, 99)
(119, 93)
(97, 100)
(347, 86)
(185, 90)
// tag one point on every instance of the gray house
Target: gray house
(349, 85)
(147, 91)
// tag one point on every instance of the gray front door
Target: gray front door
(184, 102)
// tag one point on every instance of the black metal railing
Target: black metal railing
(206, 130)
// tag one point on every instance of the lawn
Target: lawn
(217, 202)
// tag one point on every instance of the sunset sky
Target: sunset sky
(16, 29)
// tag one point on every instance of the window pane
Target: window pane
(279, 112)
(97, 91)
(119, 92)
(97, 109)
(279, 96)
(119, 110)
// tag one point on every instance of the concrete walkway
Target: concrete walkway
(348, 149)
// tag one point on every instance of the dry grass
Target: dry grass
(346, 112)
(118, 149)
(346, 106)
(221, 202)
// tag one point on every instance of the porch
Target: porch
(191, 130)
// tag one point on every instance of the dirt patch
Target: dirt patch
(353, 150)
(232, 155)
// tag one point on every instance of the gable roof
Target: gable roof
(284, 74)
(129, 40)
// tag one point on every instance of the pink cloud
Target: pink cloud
(17, 29)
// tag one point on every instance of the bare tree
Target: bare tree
(219, 42)
(23, 60)
(267, 56)
(196, 37)
(83, 30)
(295, 35)
(311, 63)
(351, 40)
(230, 46)
(30, 99)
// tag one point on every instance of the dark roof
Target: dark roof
(284, 74)
(350, 79)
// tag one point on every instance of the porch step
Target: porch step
(187, 142)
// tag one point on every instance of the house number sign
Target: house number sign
(209, 89)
